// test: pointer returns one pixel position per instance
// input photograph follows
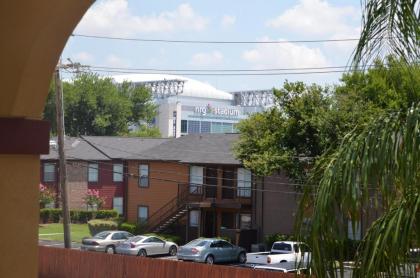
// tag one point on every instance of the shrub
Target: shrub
(44, 215)
(131, 228)
(93, 199)
(106, 214)
(76, 216)
(97, 226)
(50, 215)
(167, 237)
(46, 196)
(270, 239)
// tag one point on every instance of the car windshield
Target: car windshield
(197, 242)
(101, 235)
(135, 239)
(282, 247)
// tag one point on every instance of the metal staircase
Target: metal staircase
(176, 208)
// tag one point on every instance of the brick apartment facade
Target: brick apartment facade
(191, 186)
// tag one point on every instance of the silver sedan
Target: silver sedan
(147, 245)
(211, 250)
(106, 241)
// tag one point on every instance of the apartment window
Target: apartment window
(117, 170)
(142, 214)
(245, 221)
(184, 125)
(194, 218)
(244, 182)
(49, 172)
(117, 204)
(196, 179)
(144, 175)
(93, 172)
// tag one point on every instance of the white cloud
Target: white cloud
(114, 18)
(82, 57)
(317, 18)
(228, 20)
(284, 55)
(207, 58)
(113, 60)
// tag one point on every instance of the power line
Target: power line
(218, 41)
(220, 70)
(226, 74)
(186, 175)
(204, 184)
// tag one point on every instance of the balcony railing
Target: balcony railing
(206, 191)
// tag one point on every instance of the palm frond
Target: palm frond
(389, 27)
(378, 166)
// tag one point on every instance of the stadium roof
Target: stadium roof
(192, 87)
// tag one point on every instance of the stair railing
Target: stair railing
(186, 193)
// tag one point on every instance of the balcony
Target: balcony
(204, 193)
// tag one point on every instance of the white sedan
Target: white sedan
(147, 246)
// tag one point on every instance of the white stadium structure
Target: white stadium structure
(190, 106)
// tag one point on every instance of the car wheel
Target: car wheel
(242, 258)
(173, 250)
(110, 250)
(142, 253)
(210, 259)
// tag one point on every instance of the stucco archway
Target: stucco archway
(33, 35)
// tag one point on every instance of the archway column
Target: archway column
(33, 34)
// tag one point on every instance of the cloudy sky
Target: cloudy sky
(232, 20)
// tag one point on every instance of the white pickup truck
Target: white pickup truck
(282, 251)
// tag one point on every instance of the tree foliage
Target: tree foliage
(310, 121)
(376, 168)
(94, 105)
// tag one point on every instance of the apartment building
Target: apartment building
(192, 186)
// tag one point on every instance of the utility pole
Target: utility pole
(62, 157)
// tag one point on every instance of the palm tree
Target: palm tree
(389, 27)
(375, 170)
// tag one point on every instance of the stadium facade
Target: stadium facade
(188, 106)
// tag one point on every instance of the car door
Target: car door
(149, 246)
(305, 253)
(228, 250)
(296, 253)
(117, 238)
(216, 250)
(160, 246)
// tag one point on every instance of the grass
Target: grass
(55, 232)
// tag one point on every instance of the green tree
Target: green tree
(287, 133)
(146, 131)
(378, 166)
(94, 105)
(309, 122)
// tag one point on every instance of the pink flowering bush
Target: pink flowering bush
(93, 200)
(46, 195)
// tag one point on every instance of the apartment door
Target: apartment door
(209, 227)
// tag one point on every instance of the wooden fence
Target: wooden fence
(58, 262)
